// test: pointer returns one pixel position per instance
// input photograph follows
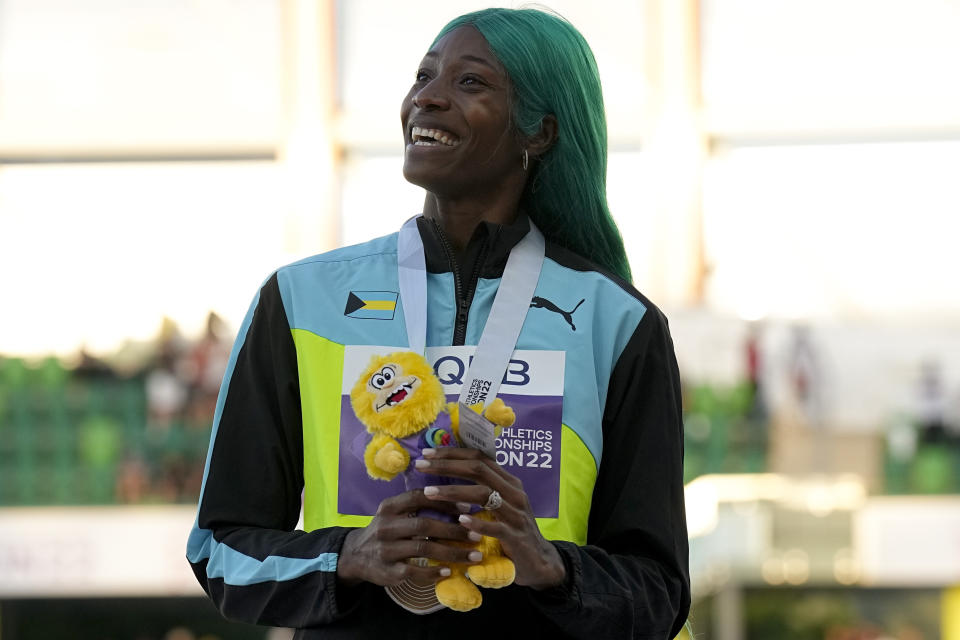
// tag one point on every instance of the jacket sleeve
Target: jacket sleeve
(632, 579)
(243, 547)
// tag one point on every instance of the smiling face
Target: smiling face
(456, 120)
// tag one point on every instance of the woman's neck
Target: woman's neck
(459, 219)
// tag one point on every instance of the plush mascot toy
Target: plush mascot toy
(401, 403)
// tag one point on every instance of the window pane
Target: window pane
(375, 199)
(822, 63)
(631, 204)
(119, 74)
(101, 252)
(826, 230)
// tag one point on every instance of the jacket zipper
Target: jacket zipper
(460, 330)
(463, 298)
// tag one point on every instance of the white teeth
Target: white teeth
(430, 137)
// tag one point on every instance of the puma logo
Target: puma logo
(542, 303)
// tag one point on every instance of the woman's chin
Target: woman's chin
(421, 176)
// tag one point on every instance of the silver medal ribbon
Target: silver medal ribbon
(510, 306)
(412, 272)
(490, 360)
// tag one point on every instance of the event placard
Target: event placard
(530, 449)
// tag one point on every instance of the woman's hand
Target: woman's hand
(378, 553)
(537, 561)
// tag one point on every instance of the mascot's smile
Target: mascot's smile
(390, 386)
(399, 395)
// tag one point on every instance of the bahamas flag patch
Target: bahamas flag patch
(371, 305)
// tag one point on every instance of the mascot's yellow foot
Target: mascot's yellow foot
(458, 593)
(494, 573)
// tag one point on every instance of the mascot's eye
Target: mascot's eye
(382, 378)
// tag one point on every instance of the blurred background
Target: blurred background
(786, 176)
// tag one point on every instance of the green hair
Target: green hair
(552, 70)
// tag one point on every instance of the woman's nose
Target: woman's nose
(430, 97)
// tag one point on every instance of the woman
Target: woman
(503, 126)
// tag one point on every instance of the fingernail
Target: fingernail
(475, 556)
(466, 519)
(428, 453)
(421, 464)
(476, 537)
(445, 572)
(430, 491)
(464, 506)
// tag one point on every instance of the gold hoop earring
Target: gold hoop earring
(526, 160)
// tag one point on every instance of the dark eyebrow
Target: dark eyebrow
(467, 57)
(482, 61)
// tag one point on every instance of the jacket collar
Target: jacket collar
(490, 242)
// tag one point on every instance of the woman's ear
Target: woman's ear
(540, 142)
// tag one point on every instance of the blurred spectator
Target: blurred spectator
(935, 467)
(133, 481)
(205, 365)
(90, 367)
(166, 386)
(172, 482)
(931, 405)
(806, 376)
(757, 411)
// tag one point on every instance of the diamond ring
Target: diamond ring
(494, 501)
